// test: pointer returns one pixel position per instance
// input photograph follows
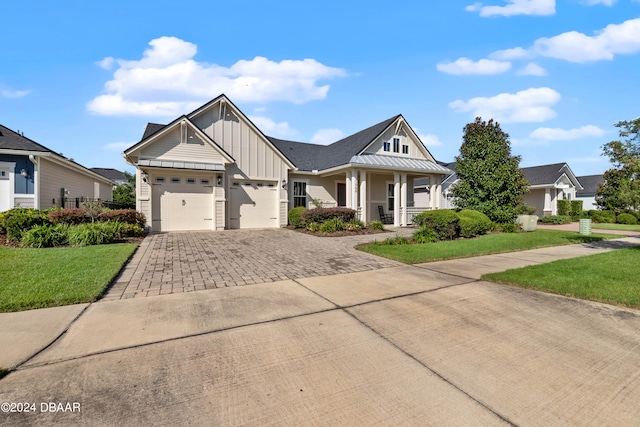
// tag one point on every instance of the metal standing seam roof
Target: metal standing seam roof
(181, 165)
(399, 163)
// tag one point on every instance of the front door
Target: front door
(342, 194)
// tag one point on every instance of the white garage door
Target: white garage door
(253, 204)
(182, 203)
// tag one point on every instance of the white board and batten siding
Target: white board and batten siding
(406, 138)
(169, 147)
(54, 176)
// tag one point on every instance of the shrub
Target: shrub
(564, 207)
(576, 210)
(332, 225)
(376, 225)
(509, 227)
(443, 221)
(603, 217)
(425, 235)
(130, 230)
(295, 218)
(67, 216)
(625, 218)
(3, 230)
(45, 236)
(321, 215)
(313, 227)
(354, 225)
(398, 240)
(473, 223)
(526, 210)
(19, 220)
(555, 219)
(92, 209)
(94, 233)
(125, 216)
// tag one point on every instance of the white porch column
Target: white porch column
(403, 199)
(547, 202)
(396, 199)
(347, 189)
(363, 196)
(432, 196)
(438, 195)
(354, 189)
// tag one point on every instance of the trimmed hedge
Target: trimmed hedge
(576, 210)
(295, 216)
(68, 216)
(564, 208)
(555, 219)
(127, 216)
(603, 217)
(321, 215)
(19, 220)
(625, 218)
(443, 221)
(473, 223)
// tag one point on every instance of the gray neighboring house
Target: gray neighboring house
(112, 174)
(33, 176)
(549, 183)
(214, 169)
(423, 189)
(590, 184)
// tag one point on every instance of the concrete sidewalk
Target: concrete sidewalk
(402, 345)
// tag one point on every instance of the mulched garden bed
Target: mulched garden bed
(342, 233)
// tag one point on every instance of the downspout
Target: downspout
(36, 180)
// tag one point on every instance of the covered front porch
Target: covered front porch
(377, 192)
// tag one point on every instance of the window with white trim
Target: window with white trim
(299, 194)
(405, 149)
(386, 146)
(396, 145)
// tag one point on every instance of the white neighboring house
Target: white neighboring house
(548, 184)
(33, 176)
(213, 169)
(590, 184)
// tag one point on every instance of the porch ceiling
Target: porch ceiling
(399, 163)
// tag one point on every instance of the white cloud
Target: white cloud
(516, 7)
(271, 128)
(467, 66)
(557, 134)
(604, 45)
(594, 2)
(509, 54)
(430, 140)
(15, 93)
(107, 63)
(530, 105)
(117, 146)
(532, 69)
(167, 81)
(327, 136)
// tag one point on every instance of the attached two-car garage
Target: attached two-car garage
(186, 202)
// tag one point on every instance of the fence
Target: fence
(76, 202)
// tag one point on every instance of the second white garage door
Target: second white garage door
(253, 204)
(182, 203)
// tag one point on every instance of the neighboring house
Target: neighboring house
(423, 190)
(112, 175)
(33, 176)
(214, 169)
(590, 184)
(548, 184)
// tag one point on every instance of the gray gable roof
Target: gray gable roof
(110, 173)
(590, 184)
(308, 157)
(546, 174)
(150, 129)
(10, 140)
(446, 182)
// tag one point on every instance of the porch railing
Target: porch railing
(413, 211)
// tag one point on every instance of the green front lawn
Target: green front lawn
(623, 227)
(38, 278)
(610, 277)
(483, 245)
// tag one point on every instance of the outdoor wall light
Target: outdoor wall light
(145, 177)
(284, 183)
(219, 180)
(24, 173)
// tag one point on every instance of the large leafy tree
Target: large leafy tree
(489, 177)
(621, 189)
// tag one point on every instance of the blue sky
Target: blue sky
(84, 78)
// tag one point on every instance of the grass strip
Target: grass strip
(610, 277)
(623, 227)
(483, 245)
(39, 278)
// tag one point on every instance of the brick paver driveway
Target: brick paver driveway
(189, 261)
